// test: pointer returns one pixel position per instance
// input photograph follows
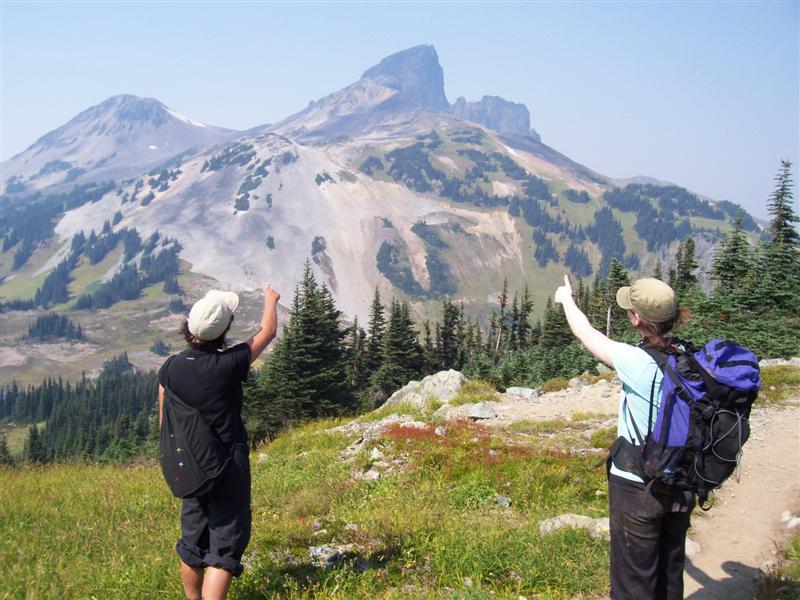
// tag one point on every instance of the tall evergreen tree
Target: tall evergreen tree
(403, 356)
(733, 261)
(373, 351)
(616, 319)
(781, 283)
(34, 449)
(5, 454)
(686, 266)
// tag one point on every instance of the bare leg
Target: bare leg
(216, 584)
(192, 578)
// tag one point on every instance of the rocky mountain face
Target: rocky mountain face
(120, 137)
(416, 73)
(380, 183)
(497, 114)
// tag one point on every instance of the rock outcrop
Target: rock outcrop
(498, 114)
(442, 386)
(414, 72)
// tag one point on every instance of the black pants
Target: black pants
(648, 535)
(215, 527)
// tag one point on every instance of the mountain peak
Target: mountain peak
(416, 73)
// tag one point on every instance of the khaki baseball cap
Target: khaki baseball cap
(650, 298)
(211, 315)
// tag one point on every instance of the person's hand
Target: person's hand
(564, 292)
(271, 296)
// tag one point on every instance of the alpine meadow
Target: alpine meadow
(425, 424)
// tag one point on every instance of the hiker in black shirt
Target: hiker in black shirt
(208, 376)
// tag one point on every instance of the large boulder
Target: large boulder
(442, 386)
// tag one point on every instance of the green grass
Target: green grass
(783, 582)
(25, 282)
(75, 530)
(476, 391)
(533, 427)
(86, 277)
(778, 384)
(16, 436)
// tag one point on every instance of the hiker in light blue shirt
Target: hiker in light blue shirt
(648, 523)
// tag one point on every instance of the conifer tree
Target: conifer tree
(523, 324)
(5, 453)
(616, 318)
(686, 265)
(373, 351)
(781, 283)
(34, 449)
(733, 261)
(402, 358)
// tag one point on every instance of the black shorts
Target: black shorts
(215, 527)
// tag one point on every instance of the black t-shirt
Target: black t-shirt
(211, 383)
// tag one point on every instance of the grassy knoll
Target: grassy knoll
(432, 530)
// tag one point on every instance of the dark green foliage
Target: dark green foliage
(577, 261)
(323, 178)
(158, 263)
(161, 178)
(412, 167)
(606, 233)
(147, 199)
(234, 155)
(31, 219)
(73, 174)
(468, 136)
(270, 242)
(370, 165)
(428, 233)
(54, 326)
(55, 288)
(171, 285)
(306, 377)
(545, 250)
(395, 266)
(34, 449)
(685, 267)
(373, 350)
(402, 353)
(242, 202)
(581, 197)
(160, 348)
(177, 306)
(5, 454)
(14, 185)
(616, 317)
(442, 281)
(318, 245)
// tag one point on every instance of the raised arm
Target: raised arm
(269, 324)
(160, 404)
(593, 340)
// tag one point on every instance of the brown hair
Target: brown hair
(204, 345)
(653, 334)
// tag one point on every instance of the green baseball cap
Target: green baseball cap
(650, 298)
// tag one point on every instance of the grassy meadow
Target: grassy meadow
(432, 530)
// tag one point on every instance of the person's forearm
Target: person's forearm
(160, 405)
(593, 340)
(269, 327)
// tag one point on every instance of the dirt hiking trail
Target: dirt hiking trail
(741, 534)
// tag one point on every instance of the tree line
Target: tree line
(322, 367)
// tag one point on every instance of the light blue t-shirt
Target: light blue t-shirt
(636, 369)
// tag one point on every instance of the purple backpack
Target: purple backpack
(702, 421)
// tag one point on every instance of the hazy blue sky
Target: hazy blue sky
(701, 94)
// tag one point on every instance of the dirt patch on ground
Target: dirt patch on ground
(61, 352)
(11, 357)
